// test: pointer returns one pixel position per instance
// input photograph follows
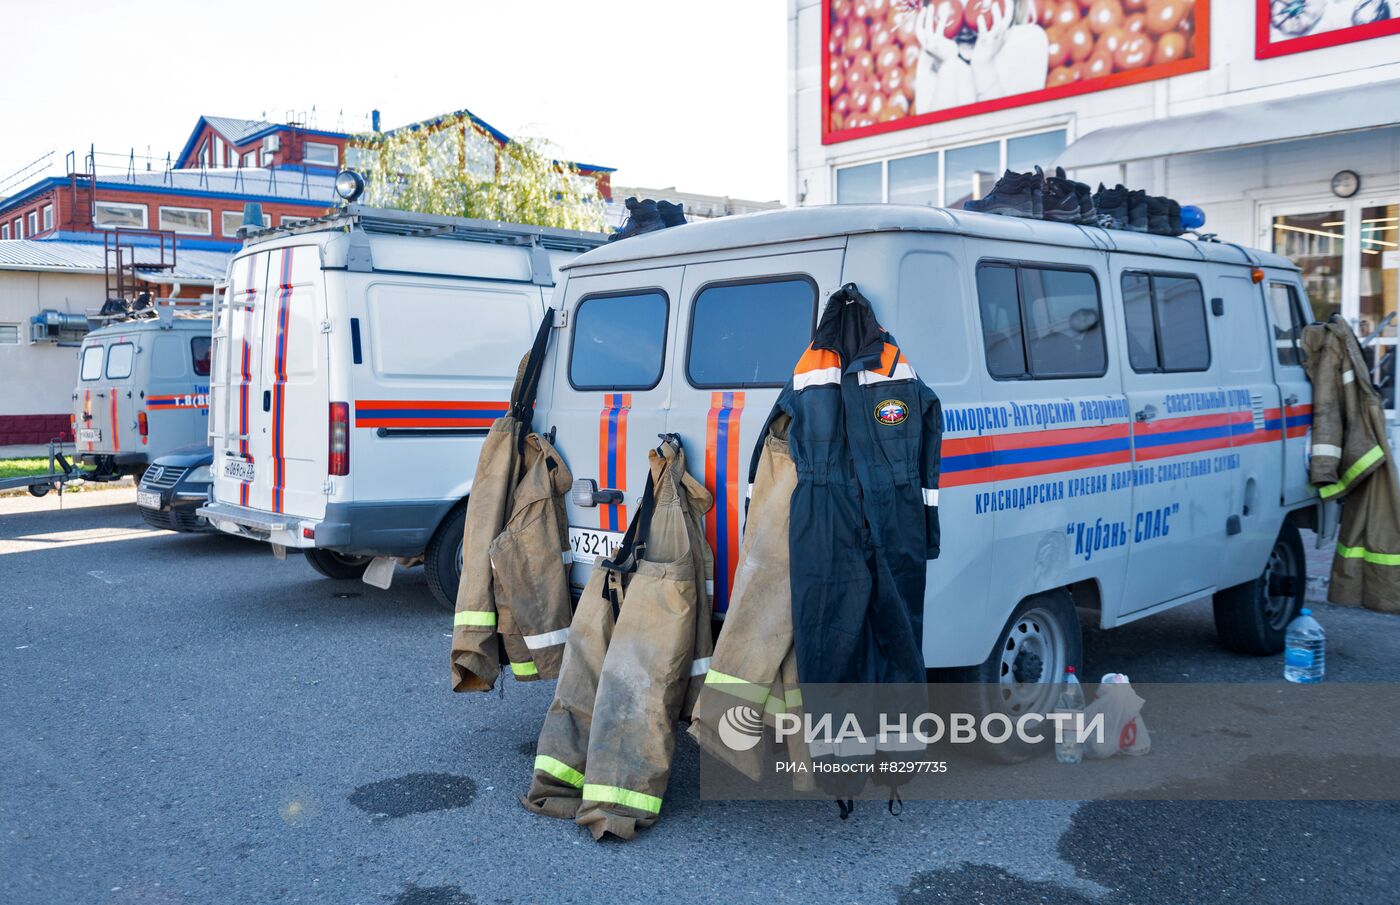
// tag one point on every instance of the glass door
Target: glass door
(1349, 253)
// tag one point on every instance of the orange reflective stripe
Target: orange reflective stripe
(817, 360)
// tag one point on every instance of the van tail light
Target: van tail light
(339, 459)
(142, 425)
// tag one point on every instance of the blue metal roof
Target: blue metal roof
(242, 131)
(284, 186)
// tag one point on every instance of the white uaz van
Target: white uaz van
(143, 389)
(358, 361)
(1126, 417)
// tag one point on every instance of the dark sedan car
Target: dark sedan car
(174, 486)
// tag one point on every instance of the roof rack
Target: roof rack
(164, 310)
(385, 221)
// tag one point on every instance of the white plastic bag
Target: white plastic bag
(1124, 729)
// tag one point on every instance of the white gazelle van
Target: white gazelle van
(1126, 416)
(143, 388)
(358, 361)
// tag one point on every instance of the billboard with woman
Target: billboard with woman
(891, 64)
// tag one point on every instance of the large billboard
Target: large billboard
(1288, 26)
(892, 64)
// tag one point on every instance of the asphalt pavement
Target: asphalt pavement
(184, 719)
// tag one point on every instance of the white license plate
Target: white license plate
(148, 500)
(239, 470)
(89, 435)
(590, 544)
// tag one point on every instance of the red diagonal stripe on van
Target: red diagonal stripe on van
(116, 433)
(279, 384)
(612, 456)
(245, 373)
(723, 479)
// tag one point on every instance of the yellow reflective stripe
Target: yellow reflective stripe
(1372, 456)
(559, 770)
(527, 668)
(1379, 559)
(475, 618)
(740, 688)
(626, 797)
(791, 698)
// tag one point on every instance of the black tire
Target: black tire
(1253, 617)
(40, 490)
(443, 558)
(1041, 638)
(340, 566)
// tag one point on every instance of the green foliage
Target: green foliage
(450, 167)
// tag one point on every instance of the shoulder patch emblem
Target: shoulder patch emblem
(891, 412)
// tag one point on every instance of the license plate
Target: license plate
(590, 544)
(148, 500)
(89, 435)
(239, 470)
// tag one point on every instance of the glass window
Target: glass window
(113, 215)
(229, 221)
(1181, 323)
(185, 220)
(33, 222)
(91, 368)
(619, 341)
(5, 231)
(1054, 316)
(199, 355)
(292, 221)
(48, 216)
(1137, 316)
(19, 227)
(1380, 271)
(1001, 320)
(1025, 153)
(1315, 242)
(9, 334)
(859, 185)
(1062, 322)
(914, 180)
(119, 359)
(750, 334)
(971, 172)
(1288, 323)
(319, 153)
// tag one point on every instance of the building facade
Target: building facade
(1280, 120)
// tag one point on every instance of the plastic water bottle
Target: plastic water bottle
(1305, 649)
(1069, 749)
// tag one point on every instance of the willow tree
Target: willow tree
(451, 167)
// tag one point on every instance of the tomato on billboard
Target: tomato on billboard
(892, 64)
(1290, 26)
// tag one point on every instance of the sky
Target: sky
(685, 94)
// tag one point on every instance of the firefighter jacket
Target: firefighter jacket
(754, 667)
(865, 439)
(604, 753)
(1351, 461)
(514, 592)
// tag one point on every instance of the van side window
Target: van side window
(749, 334)
(119, 359)
(199, 355)
(1040, 322)
(91, 367)
(619, 341)
(1165, 317)
(1288, 322)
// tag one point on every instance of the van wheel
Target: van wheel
(1253, 617)
(1022, 672)
(340, 566)
(443, 559)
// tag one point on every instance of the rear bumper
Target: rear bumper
(394, 528)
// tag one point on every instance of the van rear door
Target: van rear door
(289, 395)
(239, 346)
(613, 353)
(87, 431)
